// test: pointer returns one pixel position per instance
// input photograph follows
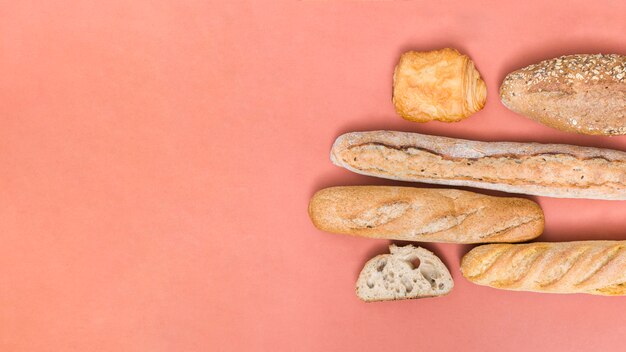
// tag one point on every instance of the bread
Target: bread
(553, 170)
(425, 215)
(575, 93)
(593, 267)
(437, 85)
(406, 273)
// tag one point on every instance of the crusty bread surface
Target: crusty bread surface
(426, 215)
(575, 93)
(592, 267)
(407, 273)
(553, 170)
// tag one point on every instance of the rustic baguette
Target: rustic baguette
(553, 170)
(575, 93)
(426, 215)
(593, 267)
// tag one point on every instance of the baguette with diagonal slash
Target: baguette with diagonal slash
(593, 267)
(426, 215)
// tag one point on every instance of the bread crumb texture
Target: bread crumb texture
(407, 273)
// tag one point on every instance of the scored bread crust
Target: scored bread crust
(408, 272)
(574, 93)
(592, 267)
(438, 85)
(553, 170)
(426, 215)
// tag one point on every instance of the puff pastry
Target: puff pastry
(438, 85)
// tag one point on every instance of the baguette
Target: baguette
(425, 215)
(593, 267)
(575, 93)
(406, 273)
(553, 170)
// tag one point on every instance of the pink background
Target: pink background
(157, 158)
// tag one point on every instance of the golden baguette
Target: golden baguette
(426, 215)
(592, 267)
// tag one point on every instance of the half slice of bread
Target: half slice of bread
(406, 273)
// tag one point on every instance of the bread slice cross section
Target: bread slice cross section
(408, 272)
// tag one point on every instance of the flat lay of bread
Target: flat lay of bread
(583, 94)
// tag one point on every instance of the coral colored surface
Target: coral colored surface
(157, 158)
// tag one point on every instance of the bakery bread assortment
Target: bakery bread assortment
(438, 85)
(406, 273)
(593, 267)
(575, 93)
(425, 215)
(553, 170)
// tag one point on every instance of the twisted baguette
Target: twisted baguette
(593, 267)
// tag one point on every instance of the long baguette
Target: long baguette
(426, 215)
(593, 267)
(553, 170)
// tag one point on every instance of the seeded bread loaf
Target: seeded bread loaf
(426, 215)
(575, 93)
(553, 170)
(593, 267)
(406, 273)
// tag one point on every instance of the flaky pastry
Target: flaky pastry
(438, 85)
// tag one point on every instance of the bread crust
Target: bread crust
(438, 85)
(553, 170)
(575, 93)
(425, 215)
(592, 267)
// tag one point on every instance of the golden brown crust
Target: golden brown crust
(426, 215)
(593, 267)
(575, 93)
(437, 85)
(553, 170)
